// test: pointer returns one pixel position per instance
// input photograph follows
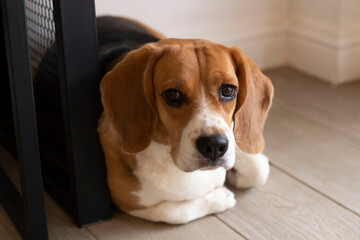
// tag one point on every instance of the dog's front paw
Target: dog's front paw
(250, 172)
(220, 200)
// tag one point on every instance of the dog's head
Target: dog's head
(198, 97)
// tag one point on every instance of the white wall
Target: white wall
(258, 27)
(320, 37)
(324, 38)
(349, 26)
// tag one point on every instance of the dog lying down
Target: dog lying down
(180, 117)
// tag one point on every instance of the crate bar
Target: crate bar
(22, 99)
(76, 39)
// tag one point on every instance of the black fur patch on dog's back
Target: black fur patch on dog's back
(118, 36)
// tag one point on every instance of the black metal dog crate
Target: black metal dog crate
(52, 45)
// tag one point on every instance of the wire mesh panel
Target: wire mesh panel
(41, 35)
(44, 63)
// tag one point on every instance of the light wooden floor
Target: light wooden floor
(313, 142)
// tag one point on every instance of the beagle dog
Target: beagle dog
(180, 117)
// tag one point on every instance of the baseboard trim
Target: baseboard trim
(331, 63)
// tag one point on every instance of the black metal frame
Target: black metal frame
(26, 210)
(79, 70)
(76, 42)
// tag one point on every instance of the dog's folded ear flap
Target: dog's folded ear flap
(253, 102)
(128, 98)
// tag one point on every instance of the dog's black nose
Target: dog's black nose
(212, 147)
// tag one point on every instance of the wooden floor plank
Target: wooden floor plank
(313, 132)
(315, 155)
(60, 225)
(287, 209)
(335, 107)
(7, 229)
(126, 227)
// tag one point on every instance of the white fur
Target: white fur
(161, 180)
(200, 125)
(250, 170)
(174, 196)
(218, 200)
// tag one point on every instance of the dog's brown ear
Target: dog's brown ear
(253, 102)
(128, 98)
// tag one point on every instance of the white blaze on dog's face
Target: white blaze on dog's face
(195, 89)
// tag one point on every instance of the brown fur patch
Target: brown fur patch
(251, 110)
(120, 167)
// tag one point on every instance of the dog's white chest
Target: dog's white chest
(161, 180)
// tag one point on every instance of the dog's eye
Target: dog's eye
(227, 92)
(173, 97)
